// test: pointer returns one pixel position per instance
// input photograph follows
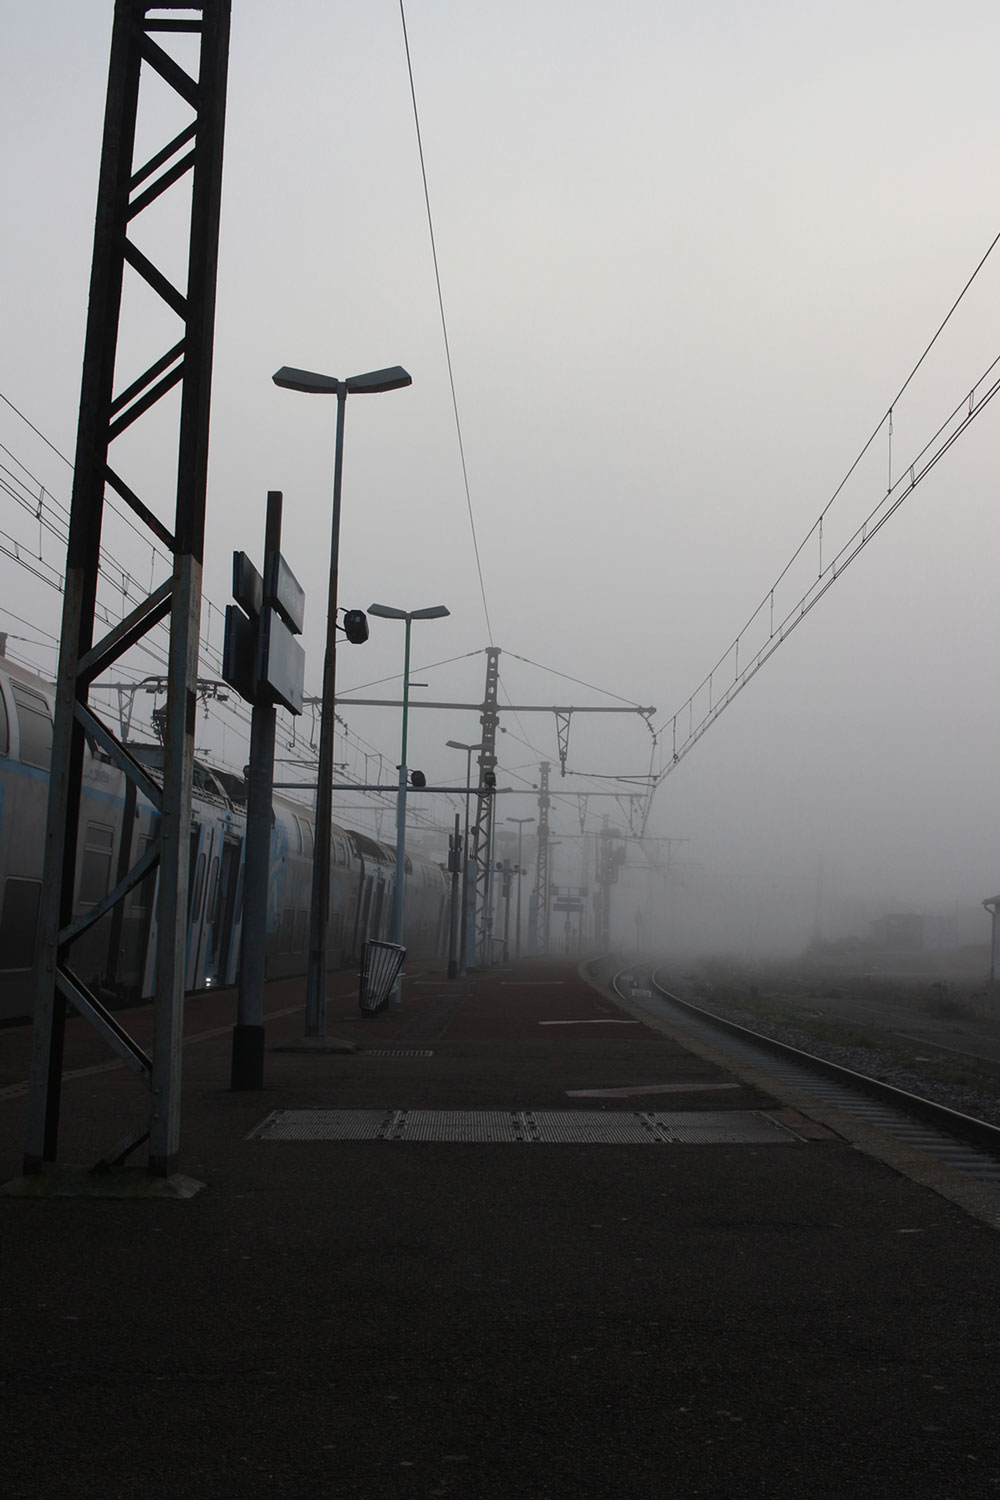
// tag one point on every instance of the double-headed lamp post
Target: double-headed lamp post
(388, 612)
(319, 907)
(520, 869)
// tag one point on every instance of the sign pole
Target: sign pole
(248, 1033)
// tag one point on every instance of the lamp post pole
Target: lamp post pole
(397, 895)
(319, 905)
(463, 941)
(520, 871)
(388, 612)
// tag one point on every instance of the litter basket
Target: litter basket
(380, 966)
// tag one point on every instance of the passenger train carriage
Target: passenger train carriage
(115, 957)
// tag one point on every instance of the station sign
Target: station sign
(281, 662)
(283, 590)
(248, 586)
(239, 653)
(261, 659)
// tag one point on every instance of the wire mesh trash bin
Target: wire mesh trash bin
(380, 966)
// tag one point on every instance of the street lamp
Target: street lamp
(319, 907)
(388, 612)
(460, 745)
(520, 871)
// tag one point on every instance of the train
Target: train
(115, 955)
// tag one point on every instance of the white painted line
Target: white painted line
(649, 1088)
(602, 1022)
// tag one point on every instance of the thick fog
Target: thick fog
(689, 257)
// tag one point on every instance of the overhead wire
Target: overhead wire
(444, 325)
(928, 457)
(887, 416)
(578, 680)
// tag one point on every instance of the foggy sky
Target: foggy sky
(688, 254)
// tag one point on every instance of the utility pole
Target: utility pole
(538, 936)
(271, 613)
(482, 834)
(455, 869)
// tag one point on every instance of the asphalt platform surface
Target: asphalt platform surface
(482, 1321)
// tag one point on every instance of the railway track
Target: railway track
(966, 1144)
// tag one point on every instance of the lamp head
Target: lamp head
(315, 384)
(392, 379)
(389, 612)
(309, 381)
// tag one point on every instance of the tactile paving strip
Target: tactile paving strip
(397, 1052)
(583, 1127)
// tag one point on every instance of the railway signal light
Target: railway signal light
(356, 626)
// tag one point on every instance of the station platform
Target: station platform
(508, 1239)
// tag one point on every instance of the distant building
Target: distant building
(902, 932)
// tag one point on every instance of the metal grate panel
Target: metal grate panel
(321, 1125)
(584, 1127)
(397, 1052)
(476, 1125)
(720, 1127)
(592, 1127)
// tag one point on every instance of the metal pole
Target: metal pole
(520, 877)
(471, 890)
(248, 1034)
(319, 908)
(463, 941)
(455, 866)
(506, 911)
(397, 895)
(520, 873)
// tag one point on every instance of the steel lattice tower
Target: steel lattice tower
(191, 160)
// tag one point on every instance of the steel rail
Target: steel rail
(951, 1121)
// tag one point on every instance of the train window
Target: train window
(35, 724)
(339, 851)
(304, 835)
(95, 871)
(196, 890)
(4, 730)
(18, 922)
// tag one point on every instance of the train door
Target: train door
(229, 972)
(375, 929)
(220, 905)
(200, 874)
(364, 908)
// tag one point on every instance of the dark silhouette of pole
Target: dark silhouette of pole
(319, 906)
(520, 873)
(248, 1033)
(455, 866)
